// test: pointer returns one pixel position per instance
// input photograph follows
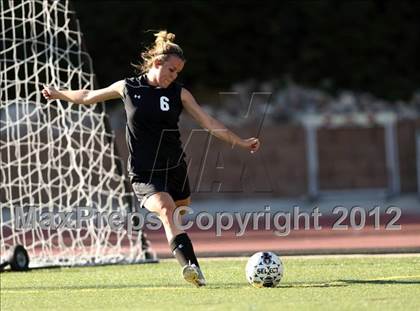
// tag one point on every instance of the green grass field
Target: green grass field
(330, 282)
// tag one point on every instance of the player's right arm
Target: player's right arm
(86, 97)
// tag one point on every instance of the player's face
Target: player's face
(169, 70)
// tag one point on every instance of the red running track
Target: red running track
(368, 240)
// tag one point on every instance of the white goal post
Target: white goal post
(57, 158)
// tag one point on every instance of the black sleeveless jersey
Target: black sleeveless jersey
(152, 131)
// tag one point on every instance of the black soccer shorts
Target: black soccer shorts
(173, 181)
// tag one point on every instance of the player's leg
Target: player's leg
(190, 270)
(163, 205)
(179, 190)
(151, 195)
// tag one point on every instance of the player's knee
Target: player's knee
(166, 212)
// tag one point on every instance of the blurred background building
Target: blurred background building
(332, 90)
(339, 62)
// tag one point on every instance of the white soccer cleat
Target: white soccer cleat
(193, 274)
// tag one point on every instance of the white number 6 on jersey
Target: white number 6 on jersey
(164, 103)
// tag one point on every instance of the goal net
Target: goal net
(60, 175)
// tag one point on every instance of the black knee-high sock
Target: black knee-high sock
(183, 250)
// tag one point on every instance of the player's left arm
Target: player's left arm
(215, 127)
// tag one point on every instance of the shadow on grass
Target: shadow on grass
(312, 284)
(342, 283)
(281, 285)
(336, 283)
(212, 285)
(381, 282)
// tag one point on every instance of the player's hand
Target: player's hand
(252, 144)
(49, 92)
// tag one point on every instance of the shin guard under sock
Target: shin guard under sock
(183, 250)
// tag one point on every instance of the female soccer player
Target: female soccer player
(153, 102)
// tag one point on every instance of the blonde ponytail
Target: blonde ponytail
(163, 47)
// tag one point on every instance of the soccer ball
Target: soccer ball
(264, 269)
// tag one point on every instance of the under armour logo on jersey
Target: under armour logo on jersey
(180, 246)
(137, 96)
